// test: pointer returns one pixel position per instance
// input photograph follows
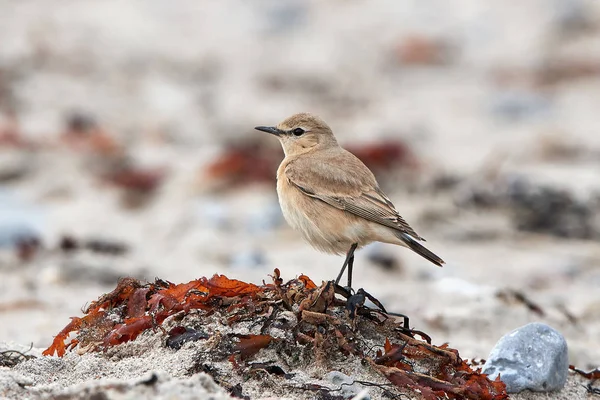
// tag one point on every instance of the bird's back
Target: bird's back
(331, 171)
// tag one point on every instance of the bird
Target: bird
(332, 198)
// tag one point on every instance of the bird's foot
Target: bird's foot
(357, 299)
(362, 292)
(344, 291)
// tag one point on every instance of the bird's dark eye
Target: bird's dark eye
(298, 132)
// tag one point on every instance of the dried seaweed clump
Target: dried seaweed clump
(325, 327)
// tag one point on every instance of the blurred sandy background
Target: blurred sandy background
(127, 148)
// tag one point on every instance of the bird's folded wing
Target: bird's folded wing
(351, 188)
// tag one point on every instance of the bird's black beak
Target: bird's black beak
(269, 129)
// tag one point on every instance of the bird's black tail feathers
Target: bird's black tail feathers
(421, 250)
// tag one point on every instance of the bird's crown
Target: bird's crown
(306, 121)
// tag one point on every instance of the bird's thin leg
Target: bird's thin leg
(350, 265)
(348, 262)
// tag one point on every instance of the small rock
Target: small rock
(264, 218)
(285, 16)
(533, 357)
(571, 16)
(15, 165)
(212, 212)
(348, 389)
(246, 259)
(18, 221)
(519, 105)
(378, 254)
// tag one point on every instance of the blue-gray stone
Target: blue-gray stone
(533, 357)
(18, 220)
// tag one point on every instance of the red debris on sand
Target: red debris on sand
(454, 378)
(551, 73)
(137, 185)
(422, 50)
(27, 247)
(320, 329)
(308, 283)
(83, 133)
(385, 156)
(593, 374)
(244, 163)
(58, 344)
(137, 179)
(249, 345)
(12, 136)
(559, 71)
(146, 306)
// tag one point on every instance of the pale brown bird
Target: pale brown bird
(331, 197)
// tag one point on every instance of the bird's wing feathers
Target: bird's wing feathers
(348, 186)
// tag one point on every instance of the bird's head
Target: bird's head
(301, 133)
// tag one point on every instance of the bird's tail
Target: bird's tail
(421, 250)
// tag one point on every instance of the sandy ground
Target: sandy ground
(498, 93)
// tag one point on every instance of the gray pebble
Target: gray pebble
(246, 259)
(533, 357)
(518, 105)
(349, 389)
(18, 220)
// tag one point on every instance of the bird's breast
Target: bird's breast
(292, 205)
